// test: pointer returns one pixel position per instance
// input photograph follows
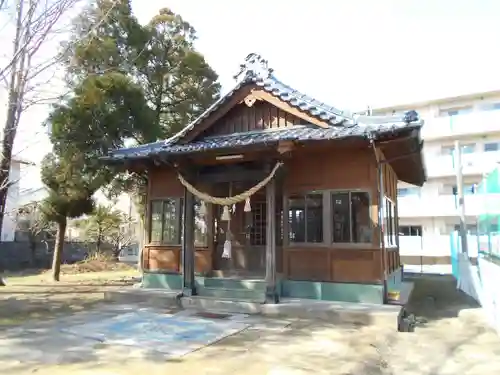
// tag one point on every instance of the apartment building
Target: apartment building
(428, 215)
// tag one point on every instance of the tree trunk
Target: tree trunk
(58, 249)
(33, 252)
(13, 112)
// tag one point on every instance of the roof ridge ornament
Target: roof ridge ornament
(254, 66)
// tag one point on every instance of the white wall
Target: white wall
(12, 204)
(17, 198)
(124, 203)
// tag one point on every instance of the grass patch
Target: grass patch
(36, 297)
(95, 277)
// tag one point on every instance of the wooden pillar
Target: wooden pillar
(188, 255)
(271, 287)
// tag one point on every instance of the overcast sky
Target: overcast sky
(349, 53)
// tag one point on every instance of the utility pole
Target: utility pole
(460, 194)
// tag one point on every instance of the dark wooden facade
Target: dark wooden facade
(261, 115)
(308, 169)
(328, 215)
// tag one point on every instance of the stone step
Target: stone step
(257, 296)
(221, 305)
(154, 297)
(226, 283)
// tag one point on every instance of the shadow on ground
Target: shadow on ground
(333, 346)
(436, 297)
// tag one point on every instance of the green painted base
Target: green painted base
(255, 290)
(326, 291)
(169, 281)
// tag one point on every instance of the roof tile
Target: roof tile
(341, 124)
(296, 133)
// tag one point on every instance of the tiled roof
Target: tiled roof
(298, 133)
(274, 86)
(341, 124)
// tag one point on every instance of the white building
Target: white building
(123, 203)
(17, 169)
(429, 214)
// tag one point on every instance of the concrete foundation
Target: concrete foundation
(347, 312)
(254, 290)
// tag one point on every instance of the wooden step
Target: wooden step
(238, 294)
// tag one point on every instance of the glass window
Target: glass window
(171, 227)
(468, 189)
(351, 217)
(468, 148)
(490, 107)
(389, 222)
(410, 230)
(494, 146)
(166, 217)
(200, 225)
(305, 218)
(470, 228)
(156, 221)
(404, 192)
(447, 150)
(455, 111)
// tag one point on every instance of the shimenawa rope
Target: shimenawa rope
(229, 200)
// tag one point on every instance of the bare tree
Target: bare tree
(32, 223)
(35, 23)
(30, 67)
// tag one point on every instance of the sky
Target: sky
(347, 53)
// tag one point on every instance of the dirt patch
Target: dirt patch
(42, 299)
(94, 266)
(450, 342)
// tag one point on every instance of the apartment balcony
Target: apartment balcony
(461, 125)
(433, 245)
(446, 205)
(477, 163)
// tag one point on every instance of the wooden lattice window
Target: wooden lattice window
(258, 229)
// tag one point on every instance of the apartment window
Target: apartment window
(351, 221)
(305, 218)
(490, 107)
(389, 223)
(493, 146)
(468, 148)
(455, 111)
(447, 150)
(468, 189)
(166, 218)
(470, 228)
(404, 192)
(410, 230)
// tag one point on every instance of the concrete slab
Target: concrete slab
(154, 297)
(354, 312)
(171, 334)
(341, 312)
(124, 332)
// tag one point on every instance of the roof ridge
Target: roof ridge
(307, 97)
(255, 69)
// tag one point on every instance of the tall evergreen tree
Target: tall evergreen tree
(128, 81)
(70, 196)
